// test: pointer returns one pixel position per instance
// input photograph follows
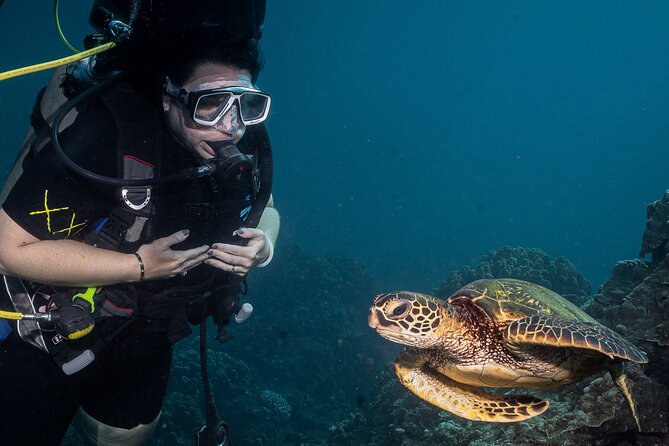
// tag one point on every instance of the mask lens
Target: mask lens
(253, 106)
(210, 106)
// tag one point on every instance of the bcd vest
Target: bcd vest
(142, 215)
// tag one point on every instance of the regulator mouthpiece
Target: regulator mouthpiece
(231, 166)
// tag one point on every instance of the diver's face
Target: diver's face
(192, 135)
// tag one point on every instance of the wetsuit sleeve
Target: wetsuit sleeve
(52, 202)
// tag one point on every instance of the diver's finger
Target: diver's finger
(238, 270)
(249, 232)
(192, 263)
(194, 252)
(173, 239)
(236, 250)
(231, 259)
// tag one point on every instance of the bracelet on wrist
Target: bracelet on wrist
(141, 267)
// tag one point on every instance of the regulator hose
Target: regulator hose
(259, 138)
(185, 174)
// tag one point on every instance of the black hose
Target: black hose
(209, 406)
(185, 174)
(215, 432)
(260, 139)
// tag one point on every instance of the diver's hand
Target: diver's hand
(240, 260)
(161, 261)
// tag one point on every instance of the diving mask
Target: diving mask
(207, 107)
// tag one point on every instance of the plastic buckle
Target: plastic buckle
(113, 231)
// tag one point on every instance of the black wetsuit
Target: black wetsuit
(125, 385)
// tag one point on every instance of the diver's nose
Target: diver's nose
(231, 123)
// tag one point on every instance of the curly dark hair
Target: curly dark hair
(179, 36)
(208, 45)
(161, 45)
(163, 52)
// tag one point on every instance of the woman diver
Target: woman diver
(143, 211)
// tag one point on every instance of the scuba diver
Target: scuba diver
(136, 210)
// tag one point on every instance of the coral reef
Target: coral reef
(635, 300)
(656, 235)
(529, 264)
(276, 403)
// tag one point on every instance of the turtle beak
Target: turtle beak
(373, 318)
(378, 322)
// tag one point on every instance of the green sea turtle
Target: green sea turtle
(497, 333)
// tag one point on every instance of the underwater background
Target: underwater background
(412, 139)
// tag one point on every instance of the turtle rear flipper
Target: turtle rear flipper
(619, 377)
(556, 332)
(460, 399)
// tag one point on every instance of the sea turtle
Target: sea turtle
(497, 333)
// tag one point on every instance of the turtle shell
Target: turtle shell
(507, 300)
(528, 313)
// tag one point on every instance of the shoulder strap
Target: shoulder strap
(138, 125)
(41, 128)
(138, 142)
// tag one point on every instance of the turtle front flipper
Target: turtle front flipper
(557, 332)
(460, 399)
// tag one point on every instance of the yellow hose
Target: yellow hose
(11, 315)
(56, 63)
(60, 31)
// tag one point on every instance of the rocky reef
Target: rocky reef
(529, 264)
(635, 302)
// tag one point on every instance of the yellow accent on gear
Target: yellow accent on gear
(71, 227)
(87, 296)
(11, 315)
(48, 211)
(56, 63)
(80, 333)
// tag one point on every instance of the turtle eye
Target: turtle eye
(400, 309)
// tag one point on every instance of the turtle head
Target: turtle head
(407, 318)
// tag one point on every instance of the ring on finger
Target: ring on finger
(233, 268)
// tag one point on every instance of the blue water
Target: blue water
(415, 137)
(419, 135)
